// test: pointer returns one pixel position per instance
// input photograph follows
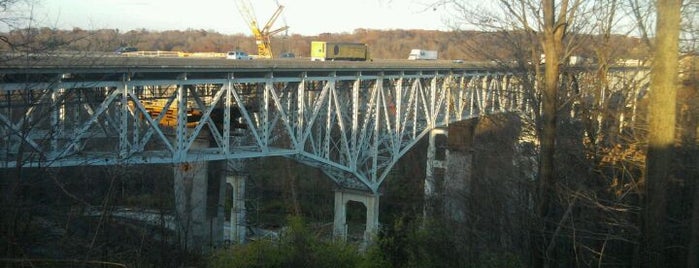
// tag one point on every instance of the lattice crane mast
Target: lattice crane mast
(262, 36)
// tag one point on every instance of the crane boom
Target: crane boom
(262, 36)
(272, 19)
(247, 13)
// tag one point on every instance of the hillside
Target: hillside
(383, 44)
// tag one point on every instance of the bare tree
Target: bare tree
(611, 153)
(689, 45)
(42, 204)
(556, 19)
(544, 26)
(661, 126)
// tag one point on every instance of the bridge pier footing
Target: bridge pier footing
(370, 202)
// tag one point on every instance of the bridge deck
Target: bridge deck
(23, 64)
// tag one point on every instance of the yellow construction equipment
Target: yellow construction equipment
(262, 36)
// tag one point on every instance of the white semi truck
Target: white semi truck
(421, 54)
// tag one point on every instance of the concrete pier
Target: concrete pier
(459, 168)
(370, 202)
(190, 204)
(449, 168)
(238, 228)
(199, 205)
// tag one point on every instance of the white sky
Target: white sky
(306, 17)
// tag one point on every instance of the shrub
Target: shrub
(297, 247)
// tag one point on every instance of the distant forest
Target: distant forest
(383, 44)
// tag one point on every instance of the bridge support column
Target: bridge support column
(449, 169)
(237, 222)
(370, 202)
(458, 177)
(459, 169)
(435, 168)
(190, 204)
(199, 205)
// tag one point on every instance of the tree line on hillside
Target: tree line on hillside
(383, 44)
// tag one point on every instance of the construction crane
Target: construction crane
(262, 36)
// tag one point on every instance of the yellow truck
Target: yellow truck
(322, 51)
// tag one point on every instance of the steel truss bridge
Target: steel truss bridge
(352, 120)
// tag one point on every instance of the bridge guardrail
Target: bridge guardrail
(173, 54)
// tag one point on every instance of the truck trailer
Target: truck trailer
(322, 51)
(421, 54)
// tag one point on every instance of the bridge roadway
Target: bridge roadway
(74, 62)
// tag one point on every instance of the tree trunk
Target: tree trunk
(661, 128)
(552, 42)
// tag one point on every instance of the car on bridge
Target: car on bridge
(238, 55)
(288, 55)
(121, 50)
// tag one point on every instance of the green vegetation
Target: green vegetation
(403, 244)
(297, 247)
